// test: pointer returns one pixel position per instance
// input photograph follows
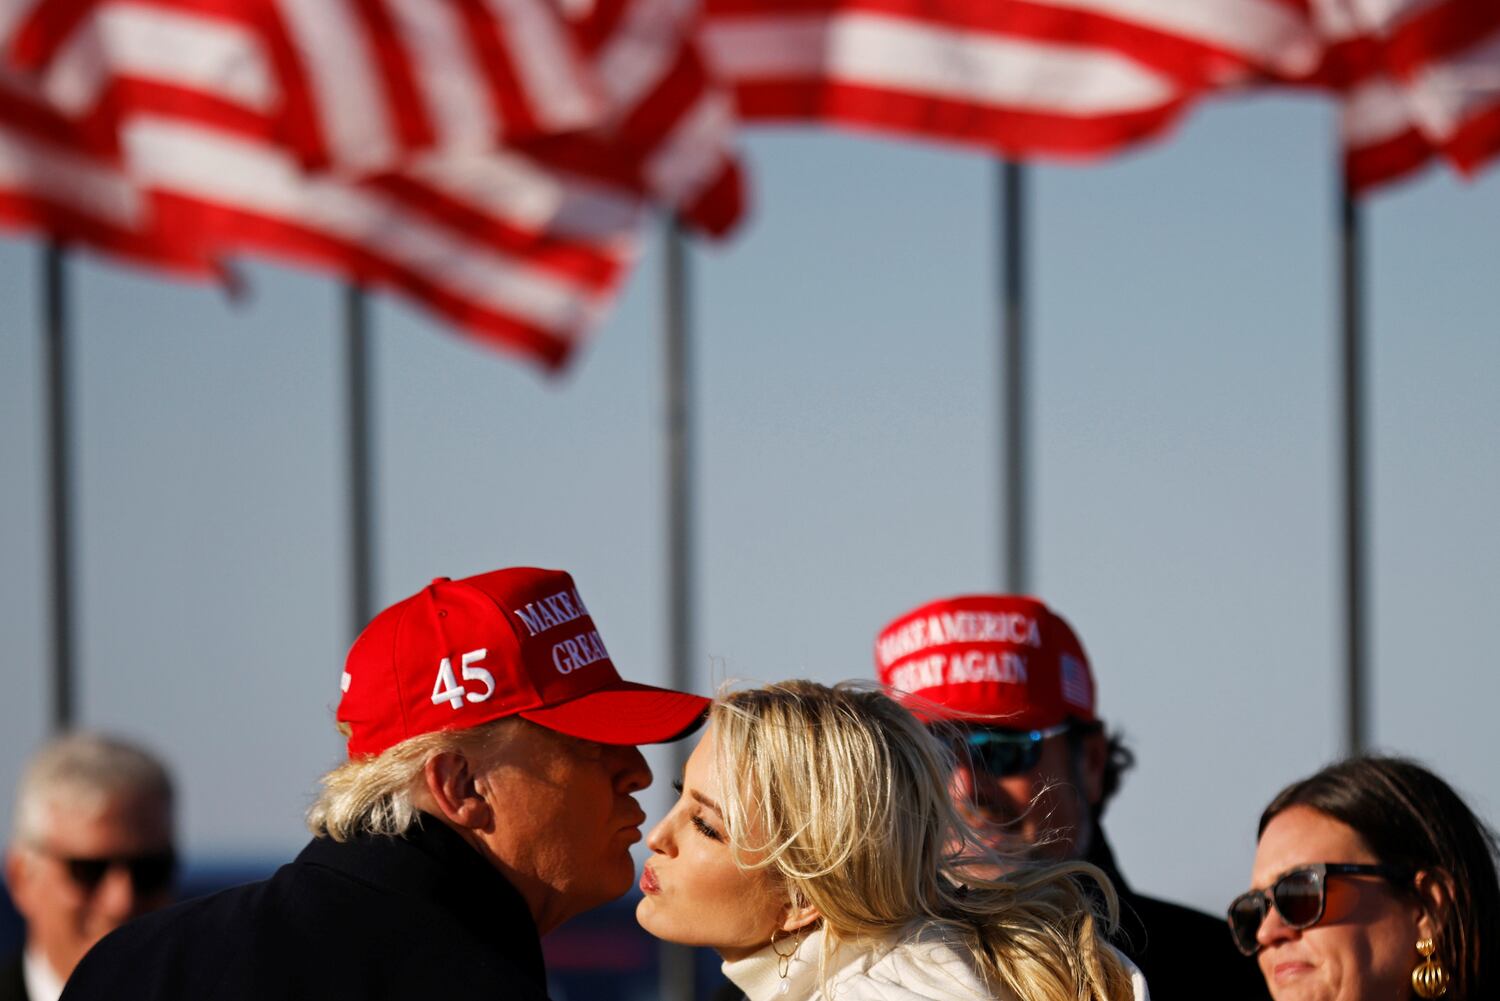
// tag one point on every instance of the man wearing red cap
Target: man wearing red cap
(1007, 680)
(486, 800)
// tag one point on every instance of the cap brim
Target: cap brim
(932, 710)
(1020, 721)
(625, 713)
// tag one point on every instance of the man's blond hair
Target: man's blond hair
(377, 795)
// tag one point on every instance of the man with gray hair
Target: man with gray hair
(92, 849)
(486, 799)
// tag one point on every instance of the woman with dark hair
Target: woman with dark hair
(1373, 881)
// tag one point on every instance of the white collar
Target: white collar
(759, 977)
(42, 982)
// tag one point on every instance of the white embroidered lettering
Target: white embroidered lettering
(553, 610)
(580, 651)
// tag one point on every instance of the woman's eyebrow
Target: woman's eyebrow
(706, 801)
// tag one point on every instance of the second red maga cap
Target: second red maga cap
(1001, 659)
(516, 642)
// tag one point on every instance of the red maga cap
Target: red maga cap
(516, 642)
(1000, 659)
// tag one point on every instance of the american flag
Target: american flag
(492, 159)
(1420, 80)
(52, 181)
(1059, 79)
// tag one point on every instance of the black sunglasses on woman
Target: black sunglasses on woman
(1299, 896)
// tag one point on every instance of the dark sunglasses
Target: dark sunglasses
(1299, 896)
(1007, 752)
(149, 874)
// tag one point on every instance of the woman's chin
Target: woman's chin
(648, 917)
(642, 909)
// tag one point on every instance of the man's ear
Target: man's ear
(452, 784)
(13, 873)
(1093, 756)
(17, 879)
(1435, 892)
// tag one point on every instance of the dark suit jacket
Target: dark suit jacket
(1185, 954)
(373, 919)
(13, 981)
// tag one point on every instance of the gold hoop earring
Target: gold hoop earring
(784, 961)
(1429, 979)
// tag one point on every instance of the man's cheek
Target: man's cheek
(961, 786)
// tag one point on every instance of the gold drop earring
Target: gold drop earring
(1429, 979)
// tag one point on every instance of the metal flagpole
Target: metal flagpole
(1352, 385)
(677, 960)
(361, 486)
(1014, 427)
(59, 480)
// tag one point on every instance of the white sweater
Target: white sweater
(923, 966)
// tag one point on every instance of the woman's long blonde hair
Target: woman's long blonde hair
(847, 794)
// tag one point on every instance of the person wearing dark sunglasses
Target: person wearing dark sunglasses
(1373, 881)
(93, 848)
(1005, 681)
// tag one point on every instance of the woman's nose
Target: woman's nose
(659, 840)
(1273, 930)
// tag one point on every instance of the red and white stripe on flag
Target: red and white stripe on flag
(51, 180)
(364, 82)
(1419, 78)
(670, 124)
(375, 164)
(1021, 77)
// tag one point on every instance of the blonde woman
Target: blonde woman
(815, 848)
